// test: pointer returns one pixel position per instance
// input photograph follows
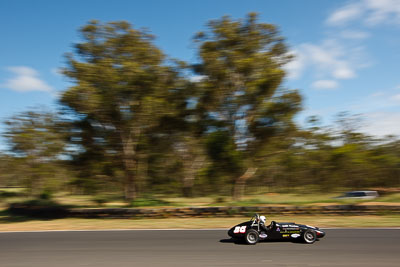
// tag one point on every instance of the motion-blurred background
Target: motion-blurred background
(199, 103)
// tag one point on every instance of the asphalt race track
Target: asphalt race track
(358, 247)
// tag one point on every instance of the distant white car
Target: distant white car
(360, 195)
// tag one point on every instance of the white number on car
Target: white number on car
(240, 229)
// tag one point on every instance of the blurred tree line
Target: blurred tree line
(137, 122)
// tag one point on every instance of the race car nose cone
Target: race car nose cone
(230, 232)
(320, 234)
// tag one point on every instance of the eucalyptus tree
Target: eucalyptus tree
(35, 144)
(122, 86)
(241, 63)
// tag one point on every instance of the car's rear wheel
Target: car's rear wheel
(309, 236)
(252, 237)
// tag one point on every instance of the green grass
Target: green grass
(11, 222)
(287, 199)
(309, 199)
(149, 202)
(279, 199)
(391, 198)
(116, 201)
(253, 200)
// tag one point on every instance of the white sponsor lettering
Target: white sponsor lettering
(295, 235)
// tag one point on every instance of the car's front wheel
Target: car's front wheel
(309, 236)
(252, 237)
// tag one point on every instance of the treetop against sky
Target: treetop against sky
(346, 52)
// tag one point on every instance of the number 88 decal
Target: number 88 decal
(240, 229)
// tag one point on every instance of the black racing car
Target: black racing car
(253, 231)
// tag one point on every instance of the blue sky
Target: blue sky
(347, 52)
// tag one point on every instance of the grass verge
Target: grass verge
(117, 201)
(8, 223)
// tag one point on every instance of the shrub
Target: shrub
(39, 208)
(100, 201)
(46, 195)
(148, 202)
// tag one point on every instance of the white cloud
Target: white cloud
(197, 78)
(383, 11)
(26, 79)
(343, 72)
(382, 101)
(370, 12)
(382, 123)
(380, 112)
(396, 98)
(341, 55)
(295, 67)
(330, 60)
(345, 14)
(354, 34)
(325, 84)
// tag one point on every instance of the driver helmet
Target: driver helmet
(262, 219)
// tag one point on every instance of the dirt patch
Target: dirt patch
(191, 223)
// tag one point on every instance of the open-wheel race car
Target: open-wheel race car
(255, 230)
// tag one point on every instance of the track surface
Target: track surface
(340, 247)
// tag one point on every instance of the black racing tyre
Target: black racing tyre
(251, 237)
(309, 236)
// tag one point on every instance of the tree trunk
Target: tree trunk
(188, 180)
(130, 185)
(240, 183)
(130, 168)
(142, 166)
(190, 171)
(187, 190)
(34, 182)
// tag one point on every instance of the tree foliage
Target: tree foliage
(122, 89)
(36, 142)
(136, 122)
(241, 63)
